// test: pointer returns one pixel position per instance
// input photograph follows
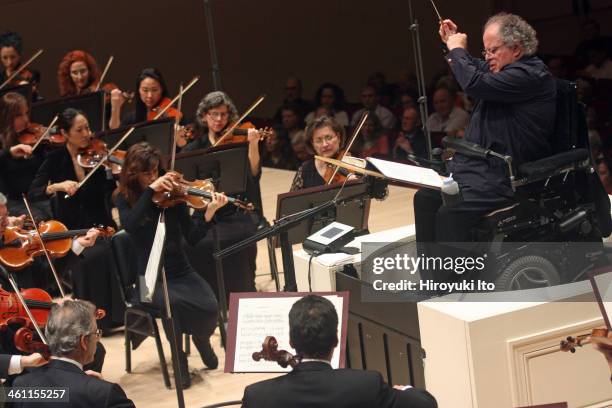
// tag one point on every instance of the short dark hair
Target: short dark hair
(313, 326)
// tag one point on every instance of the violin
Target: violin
(196, 194)
(109, 87)
(270, 352)
(239, 134)
(570, 343)
(332, 175)
(96, 152)
(170, 112)
(34, 132)
(22, 78)
(21, 246)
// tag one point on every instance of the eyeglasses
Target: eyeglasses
(324, 139)
(218, 115)
(97, 332)
(490, 51)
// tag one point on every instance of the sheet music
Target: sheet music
(153, 263)
(407, 173)
(261, 317)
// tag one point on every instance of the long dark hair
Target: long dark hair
(10, 108)
(141, 157)
(141, 108)
(66, 119)
(338, 96)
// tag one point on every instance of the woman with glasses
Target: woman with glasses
(325, 136)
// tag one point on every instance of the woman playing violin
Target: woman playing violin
(57, 179)
(325, 136)
(77, 74)
(10, 54)
(18, 164)
(192, 300)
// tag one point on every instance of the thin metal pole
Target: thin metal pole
(216, 71)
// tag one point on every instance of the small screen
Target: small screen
(332, 232)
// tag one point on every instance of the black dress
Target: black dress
(192, 301)
(307, 176)
(92, 273)
(232, 226)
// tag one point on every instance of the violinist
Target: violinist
(77, 74)
(10, 54)
(18, 164)
(215, 113)
(57, 179)
(152, 96)
(325, 136)
(192, 300)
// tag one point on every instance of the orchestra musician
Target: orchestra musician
(215, 113)
(11, 49)
(77, 74)
(313, 333)
(58, 179)
(18, 164)
(192, 301)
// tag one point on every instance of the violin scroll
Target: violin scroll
(570, 343)
(270, 352)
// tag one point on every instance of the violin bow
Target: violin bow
(244, 115)
(46, 132)
(130, 131)
(439, 16)
(348, 147)
(176, 126)
(9, 277)
(44, 247)
(106, 68)
(21, 68)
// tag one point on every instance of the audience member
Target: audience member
(291, 122)
(591, 31)
(557, 67)
(407, 83)
(600, 65)
(300, 148)
(277, 153)
(369, 100)
(313, 333)
(293, 95)
(331, 97)
(72, 335)
(410, 138)
(372, 140)
(603, 170)
(447, 117)
(384, 90)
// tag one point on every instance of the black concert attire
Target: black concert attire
(92, 273)
(417, 141)
(192, 301)
(514, 115)
(307, 176)
(84, 390)
(316, 384)
(232, 226)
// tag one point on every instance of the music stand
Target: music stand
(206, 163)
(157, 133)
(23, 90)
(92, 105)
(354, 213)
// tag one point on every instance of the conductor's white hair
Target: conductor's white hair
(515, 31)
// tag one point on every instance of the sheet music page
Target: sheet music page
(261, 317)
(407, 173)
(153, 263)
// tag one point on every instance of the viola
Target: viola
(96, 152)
(170, 112)
(21, 246)
(34, 132)
(270, 352)
(196, 194)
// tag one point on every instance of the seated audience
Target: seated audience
(300, 148)
(293, 95)
(313, 333)
(291, 122)
(369, 100)
(603, 170)
(600, 64)
(591, 31)
(331, 97)
(277, 153)
(372, 141)
(410, 138)
(72, 335)
(447, 117)
(384, 90)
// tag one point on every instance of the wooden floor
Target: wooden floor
(145, 385)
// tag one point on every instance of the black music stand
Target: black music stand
(92, 105)
(23, 90)
(157, 133)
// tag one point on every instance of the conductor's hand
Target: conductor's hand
(163, 183)
(89, 239)
(447, 28)
(458, 40)
(20, 151)
(218, 201)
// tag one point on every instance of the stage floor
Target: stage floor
(145, 384)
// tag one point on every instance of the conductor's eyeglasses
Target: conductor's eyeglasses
(490, 51)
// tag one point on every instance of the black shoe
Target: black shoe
(206, 352)
(184, 368)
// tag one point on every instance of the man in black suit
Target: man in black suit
(72, 335)
(313, 333)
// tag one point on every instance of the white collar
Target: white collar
(68, 360)
(318, 360)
